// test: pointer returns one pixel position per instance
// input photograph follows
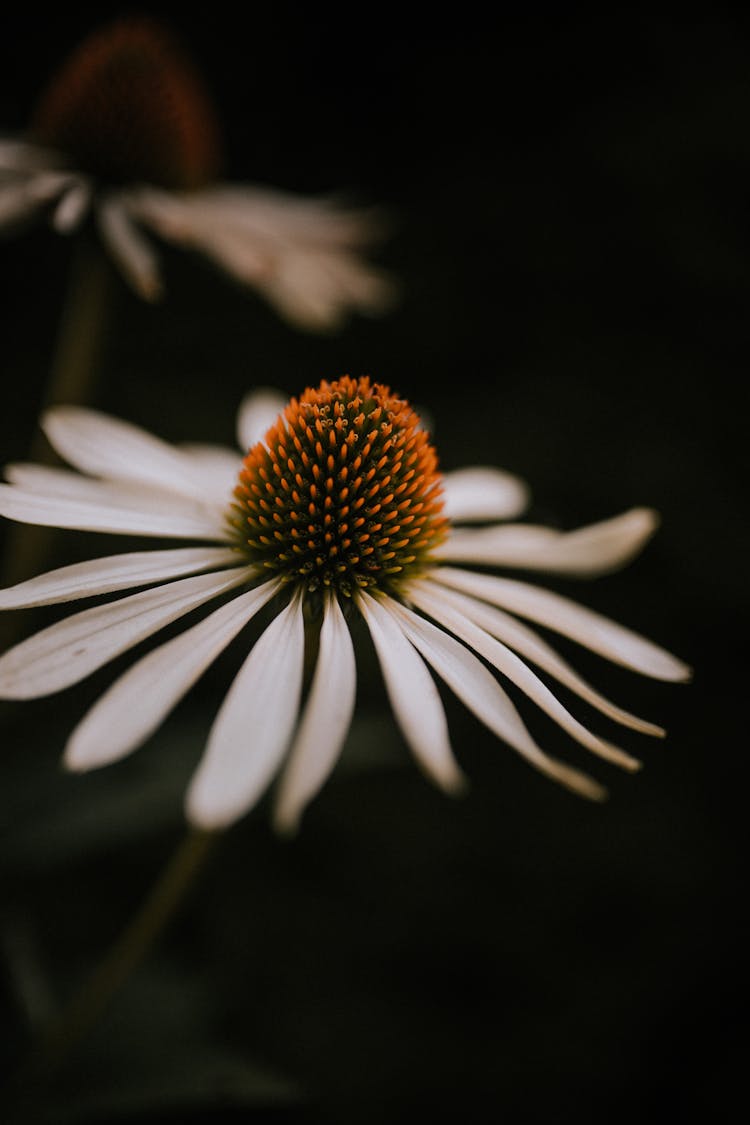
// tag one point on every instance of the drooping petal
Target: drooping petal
(21, 198)
(258, 412)
(586, 552)
(530, 645)
(72, 206)
(302, 254)
(70, 650)
(252, 730)
(118, 572)
(139, 701)
(414, 697)
(24, 156)
(477, 494)
(439, 608)
(111, 514)
(475, 686)
(590, 629)
(325, 720)
(107, 447)
(133, 255)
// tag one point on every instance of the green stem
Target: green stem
(126, 954)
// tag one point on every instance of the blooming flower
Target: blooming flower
(337, 509)
(126, 131)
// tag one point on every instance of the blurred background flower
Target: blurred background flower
(573, 248)
(125, 128)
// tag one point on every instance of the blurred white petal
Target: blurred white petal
(301, 254)
(132, 253)
(476, 494)
(72, 206)
(20, 199)
(258, 412)
(107, 447)
(218, 467)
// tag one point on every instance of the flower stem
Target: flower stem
(80, 339)
(126, 954)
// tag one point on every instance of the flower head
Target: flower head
(337, 508)
(126, 129)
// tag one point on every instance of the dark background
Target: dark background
(569, 205)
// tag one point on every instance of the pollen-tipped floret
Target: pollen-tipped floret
(343, 492)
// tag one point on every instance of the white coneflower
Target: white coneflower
(337, 508)
(125, 130)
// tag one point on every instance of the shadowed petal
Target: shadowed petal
(70, 650)
(587, 552)
(258, 412)
(20, 199)
(107, 447)
(218, 467)
(325, 721)
(111, 514)
(530, 645)
(483, 494)
(72, 206)
(118, 572)
(302, 254)
(414, 697)
(133, 255)
(439, 609)
(477, 688)
(252, 730)
(136, 704)
(590, 629)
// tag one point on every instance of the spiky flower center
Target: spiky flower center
(127, 106)
(343, 492)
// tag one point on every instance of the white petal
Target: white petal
(52, 481)
(133, 255)
(480, 692)
(589, 551)
(300, 253)
(218, 467)
(23, 156)
(530, 645)
(437, 604)
(414, 697)
(70, 650)
(136, 704)
(483, 494)
(253, 728)
(110, 515)
(258, 412)
(325, 720)
(108, 447)
(72, 206)
(118, 572)
(21, 198)
(590, 629)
